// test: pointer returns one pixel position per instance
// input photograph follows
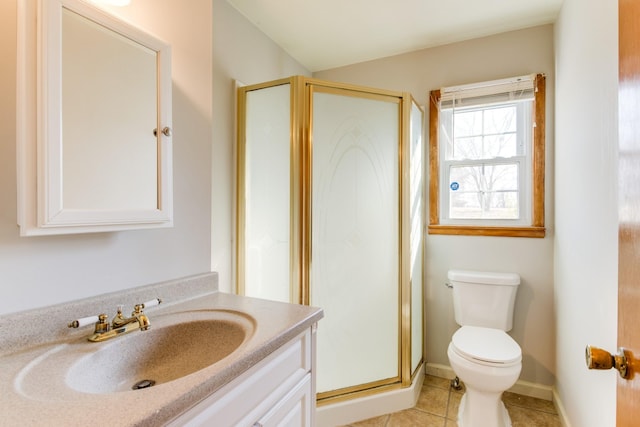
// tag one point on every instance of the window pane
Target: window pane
(464, 192)
(500, 128)
(467, 123)
(500, 145)
(502, 177)
(500, 120)
(484, 133)
(484, 192)
(467, 148)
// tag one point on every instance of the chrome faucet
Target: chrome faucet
(120, 324)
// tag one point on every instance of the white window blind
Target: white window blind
(487, 93)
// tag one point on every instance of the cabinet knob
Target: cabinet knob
(166, 131)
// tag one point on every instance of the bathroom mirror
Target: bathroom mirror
(94, 121)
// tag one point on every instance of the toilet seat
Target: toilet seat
(486, 346)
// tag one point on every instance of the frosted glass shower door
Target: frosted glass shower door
(354, 271)
(265, 237)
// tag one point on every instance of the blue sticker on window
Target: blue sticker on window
(454, 186)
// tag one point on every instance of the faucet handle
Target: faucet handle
(139, 308)
(100, 322)
(151, 303)
(84, 321)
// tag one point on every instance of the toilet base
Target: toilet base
(488, 410)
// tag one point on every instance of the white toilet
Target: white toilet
(485, 358)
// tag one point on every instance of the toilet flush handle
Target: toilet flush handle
(448, 285)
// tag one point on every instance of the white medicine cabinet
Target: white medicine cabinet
(93, 122)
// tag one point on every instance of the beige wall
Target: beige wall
(211, 45)
(240, 52)
(586, 248)
(505, 55)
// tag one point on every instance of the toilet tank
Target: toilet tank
(483, 298)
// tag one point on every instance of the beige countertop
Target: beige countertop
(43, 400)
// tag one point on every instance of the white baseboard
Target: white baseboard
(440, 371)
(524, 388)
(562, 413)
(350, 411)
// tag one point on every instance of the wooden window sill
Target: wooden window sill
(536, 232)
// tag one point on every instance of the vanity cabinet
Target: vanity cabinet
(277, 391)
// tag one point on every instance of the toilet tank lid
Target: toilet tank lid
(484, 277)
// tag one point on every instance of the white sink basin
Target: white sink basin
(175, 346)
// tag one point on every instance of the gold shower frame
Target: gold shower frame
(301, 95)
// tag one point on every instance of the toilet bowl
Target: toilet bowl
(488, 362)
(481, 353)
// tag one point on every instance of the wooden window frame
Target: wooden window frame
(537, 227)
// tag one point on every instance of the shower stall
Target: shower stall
(330, 212)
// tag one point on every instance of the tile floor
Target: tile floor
(438, 407)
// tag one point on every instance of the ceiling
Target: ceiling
(323, 34)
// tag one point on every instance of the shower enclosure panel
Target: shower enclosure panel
(355, 236)
(267, 226)
(330, 212)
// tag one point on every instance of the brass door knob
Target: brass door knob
(598, 358)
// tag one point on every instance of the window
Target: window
(487, 158)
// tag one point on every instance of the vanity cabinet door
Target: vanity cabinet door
(294, 410)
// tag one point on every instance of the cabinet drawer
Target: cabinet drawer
(293, 410)
(255, 392)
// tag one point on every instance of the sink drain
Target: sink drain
(143, 384)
